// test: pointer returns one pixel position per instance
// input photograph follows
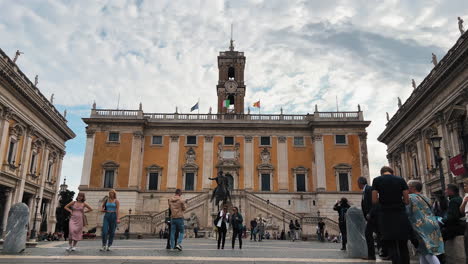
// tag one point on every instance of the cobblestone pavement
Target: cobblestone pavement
(195, 251)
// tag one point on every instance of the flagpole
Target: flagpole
(260, 106)
(198, 105)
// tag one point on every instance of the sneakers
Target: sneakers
(108, 248)
(104, 248)
(73, 249)
(178, 247)
(68, 248)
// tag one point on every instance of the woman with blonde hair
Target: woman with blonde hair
(110, 207)
(77, 211)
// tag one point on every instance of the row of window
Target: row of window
(32, 169)
(228, 140)
(266, 185)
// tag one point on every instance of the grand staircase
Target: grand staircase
(251, 206)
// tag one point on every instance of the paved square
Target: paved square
(195, 251)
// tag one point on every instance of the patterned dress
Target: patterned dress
(76, 222)
(425, 225)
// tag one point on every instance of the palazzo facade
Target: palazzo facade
(32, 143)
(436, 108)
(279, 166)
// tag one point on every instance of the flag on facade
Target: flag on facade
(257, 104)
(195, 107)
(227, 103)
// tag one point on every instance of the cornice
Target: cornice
(456, 58)
(32, 94)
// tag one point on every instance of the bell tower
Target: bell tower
(231, 87)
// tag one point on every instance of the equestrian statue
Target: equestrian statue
(221, 192)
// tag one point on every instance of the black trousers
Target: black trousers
(466, 243)
(398, 251)
(369, 233)
(221, 236)
(236, 233)
(344, 238)
(449, 232)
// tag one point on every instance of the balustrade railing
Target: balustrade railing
(318, 116)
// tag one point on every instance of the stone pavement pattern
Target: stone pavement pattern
(195, 251)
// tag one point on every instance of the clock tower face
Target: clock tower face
(230, 86)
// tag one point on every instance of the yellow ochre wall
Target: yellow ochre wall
(300, 156)
(336, 154)
(158, 155)
(117, 152)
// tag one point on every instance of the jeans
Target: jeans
(177, 224)
(253, 234)
(108, 228)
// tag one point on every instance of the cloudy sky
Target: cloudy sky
(163, 53)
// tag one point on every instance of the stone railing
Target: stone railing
(330, 224)
(333, 116)
(139, 114)
(278, 211)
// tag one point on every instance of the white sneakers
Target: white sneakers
(70, 248)
(105, 248)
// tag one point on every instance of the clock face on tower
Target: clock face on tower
(230, 86)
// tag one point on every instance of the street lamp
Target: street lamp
(436, 145)
(33, 231)
(284, 228)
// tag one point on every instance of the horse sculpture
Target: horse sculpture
(221, 192)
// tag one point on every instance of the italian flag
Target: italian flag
(227, 103)
(257, 104)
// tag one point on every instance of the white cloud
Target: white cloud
(71, 170)
(163, 53)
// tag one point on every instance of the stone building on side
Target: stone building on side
(279, 166)
(32, 146)
(436, 108)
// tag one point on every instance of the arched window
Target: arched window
(231, 73)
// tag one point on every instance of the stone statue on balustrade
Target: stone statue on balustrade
(460, 25)
(221, 192)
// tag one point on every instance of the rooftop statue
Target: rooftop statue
(460, 25)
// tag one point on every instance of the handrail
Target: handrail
(282, 210)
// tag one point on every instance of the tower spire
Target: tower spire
(231, 47)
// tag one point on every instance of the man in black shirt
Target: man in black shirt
(391, 192)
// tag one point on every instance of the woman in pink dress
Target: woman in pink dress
(77, 210)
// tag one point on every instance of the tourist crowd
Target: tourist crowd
(396, 212)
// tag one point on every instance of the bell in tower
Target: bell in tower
(231, 87)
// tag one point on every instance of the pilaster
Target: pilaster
(320, 163)
(283, 172)
(173, 167)
(88, 158)
(207, 162)
(135, 160)
(24, 161)
(248, 163)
